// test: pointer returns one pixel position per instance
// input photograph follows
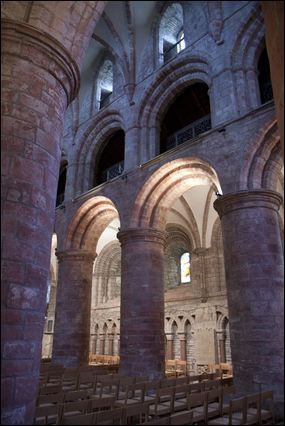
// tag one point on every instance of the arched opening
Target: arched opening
(47, 342)
(185, 271)
(176, 341)
(105, 84)
(264, 78)
(111, 158)
(186, 118)
(61, 183)
(171, 33)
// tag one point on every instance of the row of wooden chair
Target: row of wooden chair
(205, 407)
(104, 359)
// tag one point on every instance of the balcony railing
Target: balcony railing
(112, 172)
(189, 132)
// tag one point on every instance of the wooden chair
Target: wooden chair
(78, 395)
(180, 397)
(194, 379)
(86, 380)
(170, 368)
(163, 403)
(108, 417)
(185, 418)
(134, 394)
(150, 391)
(214, 403)
(48, 415)
(84, 419)
(75, 408)
(50, 399)
(197, 387)
(267, 413)
(124, 382)
(180, 368)
(135, 413)
(237, 414)
(108, 386)
(101, 403)
(253, 409)
(213, 384)
(157, 422)
(50, 389)
(69, 381)
(197, 402)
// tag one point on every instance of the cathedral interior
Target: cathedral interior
(142, 197)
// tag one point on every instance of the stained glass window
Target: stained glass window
(185, 268)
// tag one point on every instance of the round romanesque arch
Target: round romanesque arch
(176, 76)
(164, 186)
(246, 50)
(89, 222)
(90, 144)
(262, 160)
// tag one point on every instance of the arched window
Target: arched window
(105, 83)
(171, 34)
(187, 117)
(264, 79)
(61, 183)
(111, 159)
(185, 268)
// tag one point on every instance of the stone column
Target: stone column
(131, 148)
(39, 79)
(254, 278)
(183, 355)
(142, 303)
(73, 308)
(169, 346)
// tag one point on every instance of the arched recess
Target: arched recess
(177, 243)
(61, 183)
(104, 83)
(107, 268)
(245, 55)
(89, 146)
(171, 32)
(188, 116)
(167, 184)
(223, 336)
(262, 160)
(89, 222)
(169, 82)
(109, 161)
(176, 341)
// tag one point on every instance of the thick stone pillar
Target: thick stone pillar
(39, 79)
(73, 308)
(254, 278)
(142, 303)
(183, 354)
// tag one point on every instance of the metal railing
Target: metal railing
(112, 172)
(189, 132)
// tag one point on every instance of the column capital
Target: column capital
(134, 235)
(75, 255)
(247, 199)
(43, 50)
